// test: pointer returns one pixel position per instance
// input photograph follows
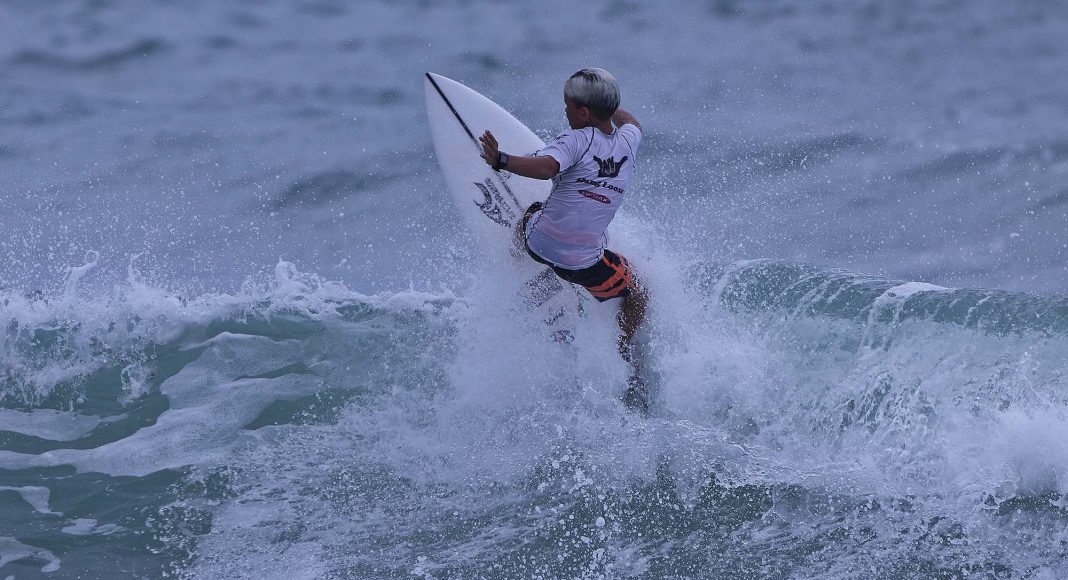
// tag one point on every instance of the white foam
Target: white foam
(211, 400)
(87, 527)
(34, 495)
(80, 527)
(909, 289)
(12, 550)
(48, 423)
(1023, 450)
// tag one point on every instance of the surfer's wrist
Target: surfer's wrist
(502, 161)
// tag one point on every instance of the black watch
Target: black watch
(502, 161)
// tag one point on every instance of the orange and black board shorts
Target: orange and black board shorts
(609, 278)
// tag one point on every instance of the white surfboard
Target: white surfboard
(492, 202)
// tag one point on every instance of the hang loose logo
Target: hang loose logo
(609, 167)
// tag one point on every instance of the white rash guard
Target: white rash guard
(595, 168)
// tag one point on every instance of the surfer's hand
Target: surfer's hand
(489, 148)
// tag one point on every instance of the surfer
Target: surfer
(590, 165)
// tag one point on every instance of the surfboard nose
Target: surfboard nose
(434, 77)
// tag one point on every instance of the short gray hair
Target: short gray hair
(595, 89)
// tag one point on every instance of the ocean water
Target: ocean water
(244, 334)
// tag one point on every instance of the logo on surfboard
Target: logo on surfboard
(493, 205)
(609, 167)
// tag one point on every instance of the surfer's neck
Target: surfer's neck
(605, 126)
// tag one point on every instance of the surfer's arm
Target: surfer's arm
(621, 117)
(540, 167)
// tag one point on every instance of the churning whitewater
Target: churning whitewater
(808, 422)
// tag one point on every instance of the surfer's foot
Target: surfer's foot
(637, 396)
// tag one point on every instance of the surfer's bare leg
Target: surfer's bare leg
(631, 315)
(519, 237)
